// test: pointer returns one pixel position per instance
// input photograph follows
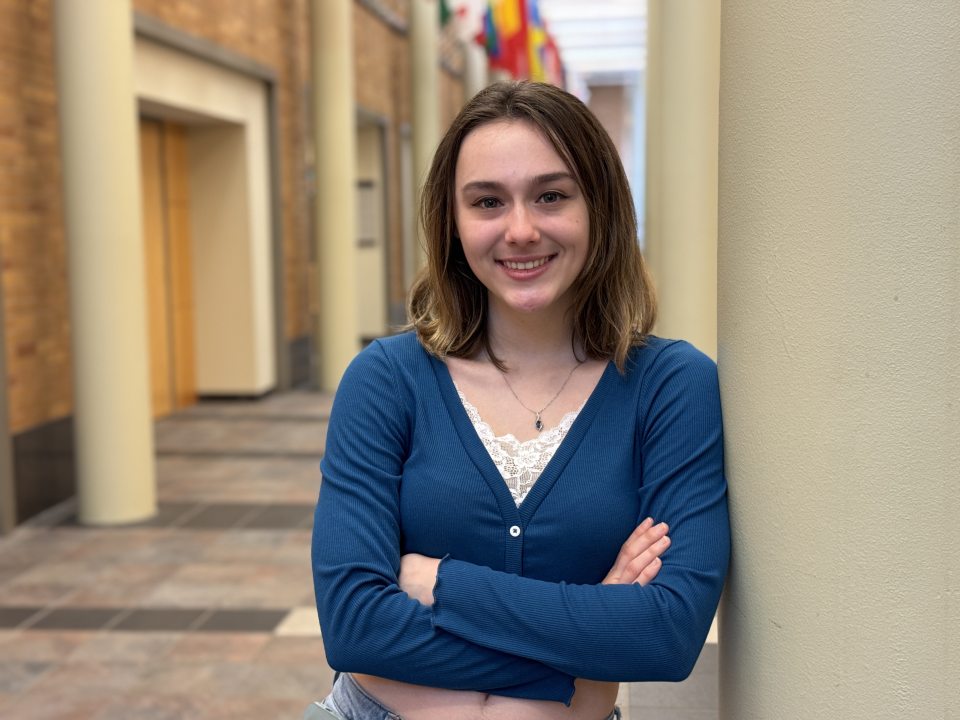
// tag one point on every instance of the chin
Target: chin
(531, 307)
(531, 302)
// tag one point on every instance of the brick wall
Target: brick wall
(382, 85)
(33, 258)
(382, 67)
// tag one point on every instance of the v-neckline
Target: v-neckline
(481, 458)
(510, 437)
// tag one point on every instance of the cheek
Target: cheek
(586, 250)
(476, 238)
(585, 235)
(455, 224)
(469, 250)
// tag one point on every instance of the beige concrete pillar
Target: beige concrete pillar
(425, 66)
(98, 135)
(839, 354)
(338, 336)
(683, 76)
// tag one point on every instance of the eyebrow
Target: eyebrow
(483, 185)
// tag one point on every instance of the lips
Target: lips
(523, 264)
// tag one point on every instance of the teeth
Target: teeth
(525, 265)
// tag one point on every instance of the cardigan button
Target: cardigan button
(514, 531)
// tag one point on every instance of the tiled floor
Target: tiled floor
(206, 611)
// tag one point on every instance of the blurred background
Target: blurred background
(207, 207)
(255, 224)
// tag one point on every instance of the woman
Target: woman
(497, 484)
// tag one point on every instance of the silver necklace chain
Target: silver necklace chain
(538, 423)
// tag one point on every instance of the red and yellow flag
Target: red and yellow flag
(518, 42)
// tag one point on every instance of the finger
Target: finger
(639, 542)
(625, 554)
(633, 569)
(649, 572)
(637, 551)
(640, 529)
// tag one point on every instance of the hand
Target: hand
(418, 575)
(639, 557)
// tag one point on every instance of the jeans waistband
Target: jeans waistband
(355, 703)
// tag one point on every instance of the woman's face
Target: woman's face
(522, 219)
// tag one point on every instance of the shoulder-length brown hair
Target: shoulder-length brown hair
(614, 305)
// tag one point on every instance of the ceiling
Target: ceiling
(601, 41)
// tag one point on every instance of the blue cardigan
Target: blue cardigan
(518, 607)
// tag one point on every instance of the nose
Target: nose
(521, 228)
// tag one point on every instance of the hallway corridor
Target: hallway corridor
(206, 611)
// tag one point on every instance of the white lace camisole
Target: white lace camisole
(520, 463)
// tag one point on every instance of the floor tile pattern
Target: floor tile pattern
(205, 611)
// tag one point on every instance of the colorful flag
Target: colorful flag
(509, 19)
(517, 41)
(545, 64)
(536, 42)
(489, 37)
(468, 17)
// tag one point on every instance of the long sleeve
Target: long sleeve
(623, 632)
(369, 624)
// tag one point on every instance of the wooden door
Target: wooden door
(169, 281)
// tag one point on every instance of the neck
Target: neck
(541, 338)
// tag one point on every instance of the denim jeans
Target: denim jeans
(354, 703)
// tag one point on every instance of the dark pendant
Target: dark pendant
(538, 424)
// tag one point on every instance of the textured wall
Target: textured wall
(382, 85)
(382, 65)
(839, 352)
(33, 257)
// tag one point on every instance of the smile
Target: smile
(528, 265)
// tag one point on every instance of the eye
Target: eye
(487, 203)
(551, 197)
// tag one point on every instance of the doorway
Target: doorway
(165, 174)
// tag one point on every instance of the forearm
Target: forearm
(371, 626)
(601, 632)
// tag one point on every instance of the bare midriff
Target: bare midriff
(591, 701)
